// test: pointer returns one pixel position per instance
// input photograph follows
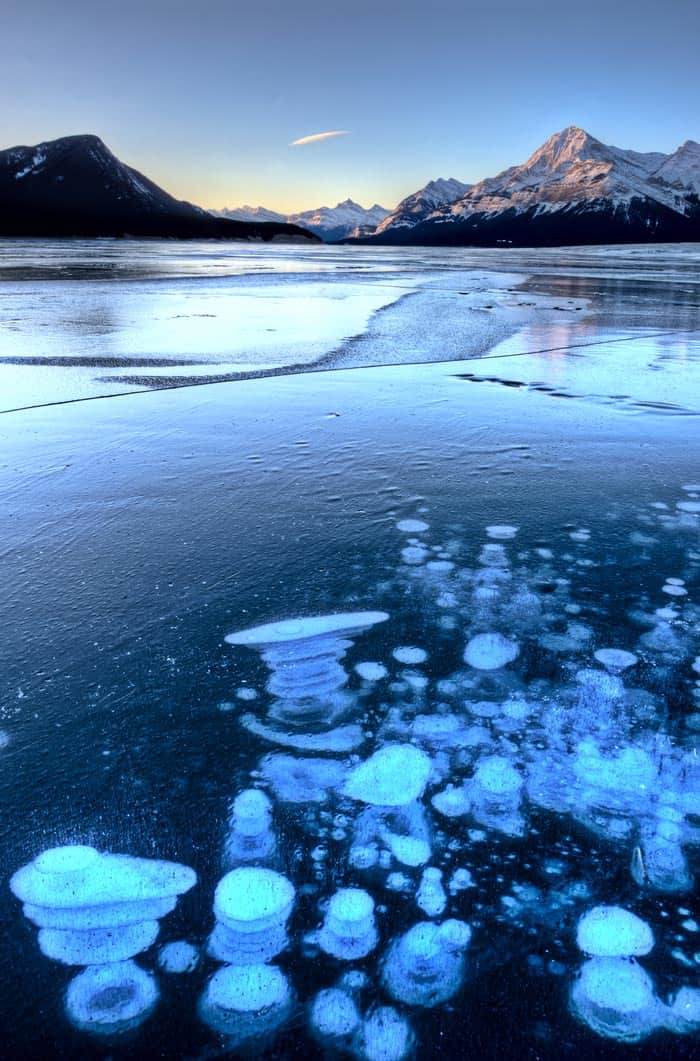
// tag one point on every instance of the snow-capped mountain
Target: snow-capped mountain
(681, 170)
(75, 186)
(573, 189)
(249, 213)
(418, 206)
(328, 222)
(337, 222)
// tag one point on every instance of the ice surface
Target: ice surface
(394, 776)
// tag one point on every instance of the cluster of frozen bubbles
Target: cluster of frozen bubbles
(393, 777)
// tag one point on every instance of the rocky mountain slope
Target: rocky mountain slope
(76, 186)
(573, 189)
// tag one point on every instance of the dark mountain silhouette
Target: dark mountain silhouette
(75, 186)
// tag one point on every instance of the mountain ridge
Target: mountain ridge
(330, 223)
(572, 189)
(76, 186)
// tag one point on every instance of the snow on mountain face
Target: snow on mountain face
(96, 177)
(681, 170)
(249, 213)
(572, 167)
(418, 206)
(336, 222)
(328, 222)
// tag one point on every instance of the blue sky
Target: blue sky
(205, 97)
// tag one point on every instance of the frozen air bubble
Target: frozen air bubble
(96, 946)
(302, 780)
(460, 880)
(414, 555)
(251, 907)
(613, 932)
(246, 1002)
(431, 897)
(77, 887)
(348, 930)
(334, 1014)
(386, 1036)
(501, 531)
(683, 1015)
(304, 653)
(674, 591)
(371, 672)
(178, 957)
(688, 506)
(440, 566)
(246, 694)
(412, 526)
(490, 651)
(615, 997)
(425, 966)
(110, 999)
(250, 837)
(615, 659)
(394, 776)
(410, 655)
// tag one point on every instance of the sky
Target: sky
(207, 96)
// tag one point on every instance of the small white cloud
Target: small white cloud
(315, 137)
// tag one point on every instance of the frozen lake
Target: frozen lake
(489, 733)
(82, 319)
